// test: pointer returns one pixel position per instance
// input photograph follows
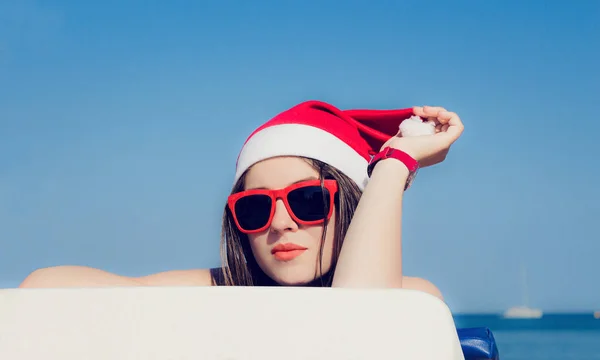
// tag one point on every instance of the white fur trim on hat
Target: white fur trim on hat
(307, 141)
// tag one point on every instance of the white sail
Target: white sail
(524, 311)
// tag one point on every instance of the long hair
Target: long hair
(239, 267)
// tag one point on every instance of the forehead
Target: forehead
(279, 172)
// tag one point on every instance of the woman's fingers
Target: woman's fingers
(424, 111)
(431, 149)
(429, 112)
(445, 116)
(454, 127)
(448, 123)
(436, 113)
(432, 110)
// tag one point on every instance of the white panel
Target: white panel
(202, 323)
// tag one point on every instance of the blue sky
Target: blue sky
(120, 122)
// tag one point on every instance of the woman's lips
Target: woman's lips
(287, 252)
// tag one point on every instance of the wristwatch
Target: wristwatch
(391, 153)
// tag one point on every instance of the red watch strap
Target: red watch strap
(387, 153)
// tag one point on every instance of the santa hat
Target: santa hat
(344, 139)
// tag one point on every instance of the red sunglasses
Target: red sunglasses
(307, 203)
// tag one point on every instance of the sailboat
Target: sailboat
(523, 311)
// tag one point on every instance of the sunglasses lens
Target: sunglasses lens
(309, 203)
(253, 211)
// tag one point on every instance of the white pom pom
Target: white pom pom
(415, 126)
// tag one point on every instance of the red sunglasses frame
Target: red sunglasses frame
(330, 185)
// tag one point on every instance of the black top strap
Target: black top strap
(217, 276)
(218, 279)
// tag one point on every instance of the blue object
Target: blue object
(478, 344)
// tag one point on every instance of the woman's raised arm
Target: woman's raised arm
(371, 255)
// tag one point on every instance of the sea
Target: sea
(552, 337)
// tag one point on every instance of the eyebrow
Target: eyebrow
(295, 182)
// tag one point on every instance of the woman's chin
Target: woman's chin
(294, 277)
(300, 271)
(293, 282)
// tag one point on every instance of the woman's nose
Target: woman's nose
(282, 221)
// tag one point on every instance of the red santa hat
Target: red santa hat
(344, 139)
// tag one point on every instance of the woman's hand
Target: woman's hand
(430, 149)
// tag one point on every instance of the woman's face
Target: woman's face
(288, 268)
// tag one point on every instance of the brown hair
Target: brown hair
(239, 267)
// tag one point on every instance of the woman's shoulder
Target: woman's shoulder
(188, 277)
(416, 283)
(83, 276)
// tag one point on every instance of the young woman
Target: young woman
(316, 201)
